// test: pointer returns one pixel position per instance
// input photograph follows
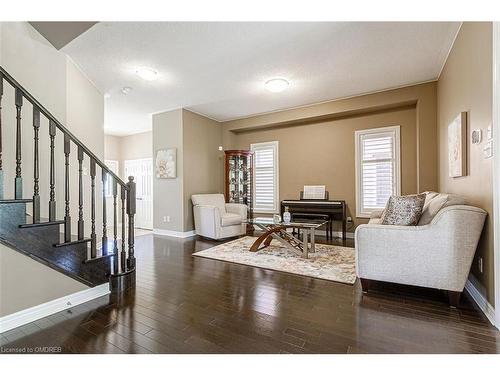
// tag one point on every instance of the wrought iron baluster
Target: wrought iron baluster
(80, 194)
(36, 167)
(93, 248)
(115, 218)
(18, 187)
(67, 217)
(1, 167)
(104, 221)
(52, 194)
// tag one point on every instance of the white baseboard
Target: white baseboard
(481, 301)
(173, 233)
(31, 314)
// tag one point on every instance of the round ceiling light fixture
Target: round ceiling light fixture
(277, 84)
(147, 74)
(126, 90)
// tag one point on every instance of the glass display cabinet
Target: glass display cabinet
(239, 176)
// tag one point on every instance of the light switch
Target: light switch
(488, 150)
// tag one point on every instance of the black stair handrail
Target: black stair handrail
(61, 127)
(124, 262)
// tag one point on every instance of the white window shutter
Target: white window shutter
(377, 168)
(265, 176)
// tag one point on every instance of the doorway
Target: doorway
(142, 171)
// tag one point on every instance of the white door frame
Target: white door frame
(496, 166)
(137, 223)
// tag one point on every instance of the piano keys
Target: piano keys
(335, 209)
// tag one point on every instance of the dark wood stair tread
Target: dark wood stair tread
(74, 242)
(41, 224)
(99, 257)
(7, 201)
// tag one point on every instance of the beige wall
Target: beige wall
(199, 166)
(168, 194)
(112, 147)
(43, 284)
(130, 147)
(323, 154)
(203, 162)
(316, 143)
(466, 85)
(137, 146)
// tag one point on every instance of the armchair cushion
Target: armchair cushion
(238, 209)
(228, 219)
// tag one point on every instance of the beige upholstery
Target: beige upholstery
(434, 202)
(436, 255)
(213, 218)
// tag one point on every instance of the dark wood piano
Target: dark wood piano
(335, 209)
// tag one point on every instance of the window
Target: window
(113, 166)
(377, 168)
(265, 177)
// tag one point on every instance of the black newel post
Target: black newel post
(130, 213)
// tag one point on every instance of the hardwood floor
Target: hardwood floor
(185, 304)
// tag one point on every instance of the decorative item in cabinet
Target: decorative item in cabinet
(239, 178)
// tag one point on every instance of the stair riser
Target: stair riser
(12, 213)
(38, 242)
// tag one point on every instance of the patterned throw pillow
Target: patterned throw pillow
(403, 210)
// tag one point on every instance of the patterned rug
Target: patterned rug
(336, 263)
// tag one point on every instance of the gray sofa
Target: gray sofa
(436, 253)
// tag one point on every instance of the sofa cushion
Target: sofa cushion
(216, 200)
(230, 219)
(403, 210)
(434, 202)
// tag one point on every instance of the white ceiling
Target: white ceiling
(219, 69)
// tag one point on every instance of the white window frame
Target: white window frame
(361, 212)
(275, 145)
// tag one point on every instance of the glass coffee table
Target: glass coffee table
(278, 230)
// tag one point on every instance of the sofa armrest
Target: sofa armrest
(237, 208)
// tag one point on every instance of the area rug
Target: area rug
(329, 262)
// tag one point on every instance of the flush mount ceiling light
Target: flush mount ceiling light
(126, 90)
(147, 74)
(277, 84)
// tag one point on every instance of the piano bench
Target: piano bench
(306, 216)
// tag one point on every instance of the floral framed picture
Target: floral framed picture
(457, 146)
(166, 163)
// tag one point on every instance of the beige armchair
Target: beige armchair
(213, 218)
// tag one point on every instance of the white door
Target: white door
(142, 170)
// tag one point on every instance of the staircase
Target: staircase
(89, 259)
